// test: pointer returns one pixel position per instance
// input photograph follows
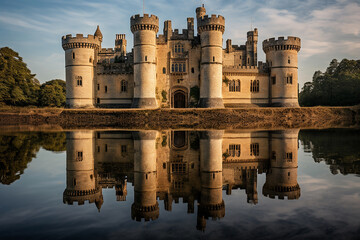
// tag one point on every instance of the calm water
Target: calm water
(180, 184)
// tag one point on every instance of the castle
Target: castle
(197, 167)
(180, 70)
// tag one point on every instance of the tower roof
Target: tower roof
(98, 33)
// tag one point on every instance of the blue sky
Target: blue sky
(328, 28)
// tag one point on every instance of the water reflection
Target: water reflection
(168, 165)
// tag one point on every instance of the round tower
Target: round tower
(81, 184)
(282, 59)
(144, 30)
(211, 201)
(281, 178)
(145, 205)
(80, 60)
(211, 31)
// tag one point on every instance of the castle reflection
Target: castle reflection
(169, 165)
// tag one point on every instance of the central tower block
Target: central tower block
(211, 30)
(144, 30)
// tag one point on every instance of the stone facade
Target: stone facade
(180, 70)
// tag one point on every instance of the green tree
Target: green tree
(338, 86)
(52, 93)
(17, 85)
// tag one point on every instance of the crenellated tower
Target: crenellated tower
(281, 178)
(282, 59)
(210, 29)
(81, 184)
(251, 48)
(211, 202)
(144, 29)
(145, 205)
(80, 62)
(120, 45)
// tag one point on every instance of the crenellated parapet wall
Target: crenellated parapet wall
(79, 41)
(211, 23)
(291, 43)
(146, 22)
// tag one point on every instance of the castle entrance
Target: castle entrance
(179, 99)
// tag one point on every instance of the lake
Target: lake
(210, 184)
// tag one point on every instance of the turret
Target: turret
(81, 184)
(281, 178)
(282, 59)
(200, 12)
(211, 29)
(211, 201)
(145, 205)
(251, 48)
(120, 45)
(167, 30)
(80, 60)
(144, 30)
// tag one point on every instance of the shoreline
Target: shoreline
(228, 118)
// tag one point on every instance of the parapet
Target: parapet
(212, 23)
(145, 212)
(120, 36)
(79, 41)
(253, 33)
(291, 192)
(291, 43)
(146, 22)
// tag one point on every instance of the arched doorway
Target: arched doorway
(179, 99)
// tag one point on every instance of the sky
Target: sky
(328, 28)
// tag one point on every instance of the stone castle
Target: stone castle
(165, 166)
(180, 70)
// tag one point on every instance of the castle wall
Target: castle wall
(109, 91)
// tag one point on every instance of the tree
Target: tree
(17, 85)
(338, 86)
(52, 93)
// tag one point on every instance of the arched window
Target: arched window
(213, 58)
(172, 68)
(237, 89)
(288, 60)
(232, 86)
(182, 48)
(184, 68)
(145, 58)
(180, 67)
(254, 86)
(176, 68)
(79, 81)
(124, 86)
(73, 55)
(164, 70)
(90, 60)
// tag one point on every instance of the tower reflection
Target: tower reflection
(169, 165)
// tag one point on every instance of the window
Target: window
(74, 182)
(105, 89)
(79, 80)
(184, 69)
(289, 79)
(73, 55)
(289, 157)
(178, 67)
(240, 57)
(164, 70)
(145, 58)
(124, 86)
(234, 150)
(98, 87)
(254, 149)
(248, 60)
(178, 167)
(98, 100)
(273, 80)
(79, 156)
(288, 60)
(123, 148)
(164, 165)
(213, 58)
(232, 86)
(237, 87)
(173, 68)
(254, 86)
(192, 70)
(273, 156)
(106, 148)
(98, 148)
(90, 60)
(179, 48)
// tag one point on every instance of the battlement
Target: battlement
(148, 213)
(146, 22)
(253, 33)
(79, 41)
(291, 192)
(291, 43)
(211, 23)
(120, 36)
(80, 196)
